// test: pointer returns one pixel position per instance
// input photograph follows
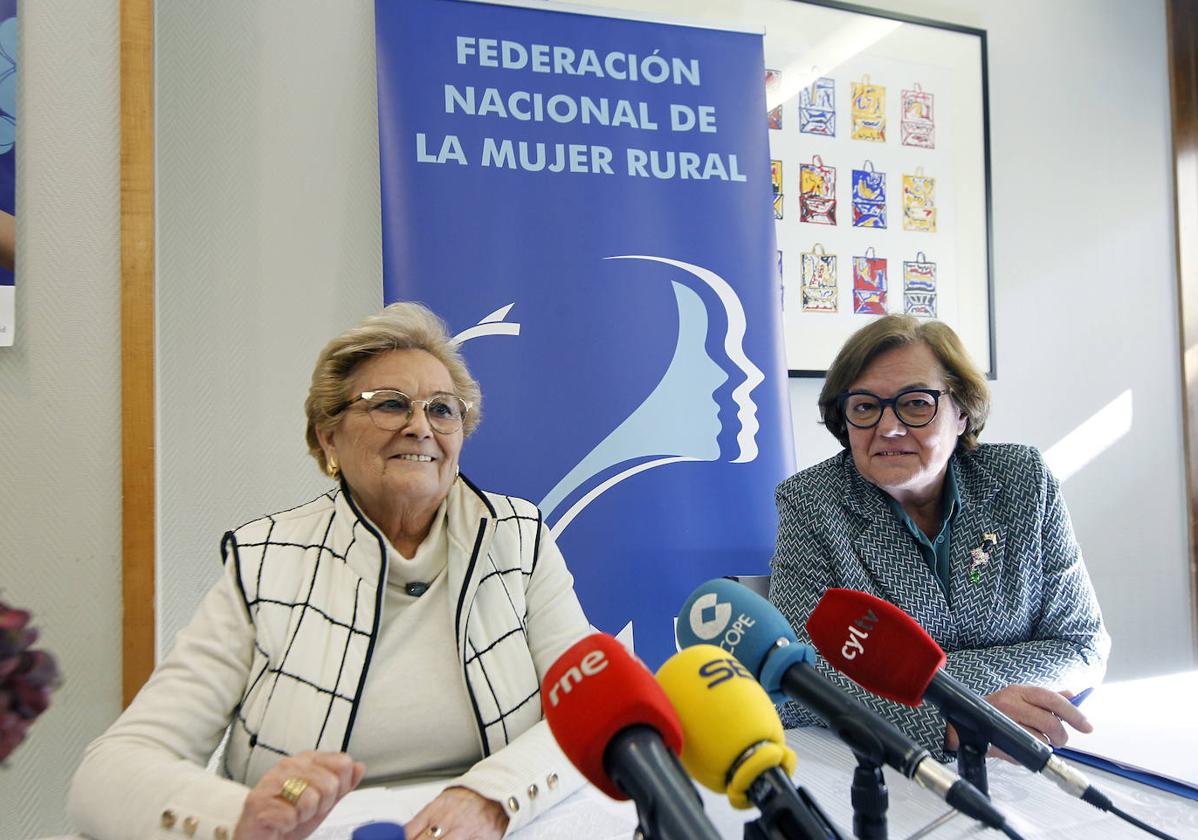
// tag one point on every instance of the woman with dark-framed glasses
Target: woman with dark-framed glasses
(973, 540)
(394, 629)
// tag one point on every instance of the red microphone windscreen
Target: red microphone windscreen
(875, 644)
(592, 692)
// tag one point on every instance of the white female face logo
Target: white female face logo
(734, 347)
(687, 390)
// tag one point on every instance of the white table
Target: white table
(1036, 807)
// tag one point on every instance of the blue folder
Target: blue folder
(1142, 776)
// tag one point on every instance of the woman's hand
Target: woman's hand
(266, 815)
(1040, 711)
(458, 813)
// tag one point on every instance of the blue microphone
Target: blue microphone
(731, 616)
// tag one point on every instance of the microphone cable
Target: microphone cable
(1103, 803)
(1092, 795)
(1010, 832)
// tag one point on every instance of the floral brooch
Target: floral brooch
(980, 556)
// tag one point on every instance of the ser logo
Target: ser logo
(722, 670)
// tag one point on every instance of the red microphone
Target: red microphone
(616, 725)
(885, 651)
(876, 644)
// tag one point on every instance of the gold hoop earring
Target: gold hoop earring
(331, 469)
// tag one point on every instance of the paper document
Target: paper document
(1145, 726)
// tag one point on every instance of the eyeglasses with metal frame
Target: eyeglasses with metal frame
(391, 410)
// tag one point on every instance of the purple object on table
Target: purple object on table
(379, 831)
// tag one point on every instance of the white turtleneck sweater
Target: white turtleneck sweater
(416, 656)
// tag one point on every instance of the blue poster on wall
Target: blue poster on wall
(587, 201)
(8, 168)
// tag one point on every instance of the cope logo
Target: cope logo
(709, 617)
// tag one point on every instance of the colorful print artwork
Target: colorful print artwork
(918, 125)
(776, 183)
(919, 202)
(869, 284)
(869, 111)
(774, 115)
(919, 287)
(817, 108)
(817, 192)
(902, 124)
(869, 197)
(819, 280)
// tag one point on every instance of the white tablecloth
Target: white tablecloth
(1036, 807)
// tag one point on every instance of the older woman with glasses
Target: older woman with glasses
(973, 540)
(394, 628)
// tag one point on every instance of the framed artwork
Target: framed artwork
(9, 63)
(897, 106)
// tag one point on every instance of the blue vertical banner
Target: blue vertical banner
(587, 201)
(8, 169)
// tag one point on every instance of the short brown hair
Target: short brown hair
(400, 326)
(966, 383)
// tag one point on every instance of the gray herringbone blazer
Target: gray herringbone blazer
(1029, 617)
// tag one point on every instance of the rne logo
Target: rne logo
(590, 665)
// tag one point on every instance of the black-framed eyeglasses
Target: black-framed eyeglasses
(391, 410)
(914, 407)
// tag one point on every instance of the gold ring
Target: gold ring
(434, 831)
(293, 789)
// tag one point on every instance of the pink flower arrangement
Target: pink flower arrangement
(26, 678)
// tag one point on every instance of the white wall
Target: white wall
(269, 243)
(59, 394)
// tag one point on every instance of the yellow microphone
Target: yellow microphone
(733, 742)
(730, 730)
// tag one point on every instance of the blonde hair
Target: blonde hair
(965, 382)
(400, 326)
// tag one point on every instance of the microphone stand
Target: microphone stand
(778, 823)
(971, 757)
(870, 800)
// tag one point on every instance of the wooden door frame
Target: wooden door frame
(1182, 29)
(138, 467)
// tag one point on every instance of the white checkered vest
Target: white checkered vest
(313, 579)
